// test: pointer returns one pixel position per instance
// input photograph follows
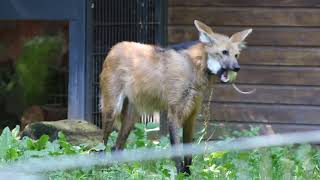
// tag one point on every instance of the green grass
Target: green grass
(289, 162)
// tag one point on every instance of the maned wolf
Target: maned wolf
(138, 78)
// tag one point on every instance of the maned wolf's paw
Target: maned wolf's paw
(186, 171)
(113, 149)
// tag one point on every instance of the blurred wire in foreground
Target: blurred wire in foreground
(40, 165)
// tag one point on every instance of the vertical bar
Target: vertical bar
(97, 49)
(122, 11)
(155, 26)
(102, 46)
(117, 22)
(161, 38)
(161, 9)
(112, 22)
(131, 21)
(143, 17)
(137, 21)
(77, 67)
(99, 27)
(89, 61)
(147, 23)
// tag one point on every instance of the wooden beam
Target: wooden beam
(246, 3)
(308, 17)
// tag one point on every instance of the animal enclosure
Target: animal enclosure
(281, 62)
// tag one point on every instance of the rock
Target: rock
(76, 131)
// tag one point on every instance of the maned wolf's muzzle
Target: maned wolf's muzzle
(223, 74)
(221, 67)
(236, 68)
(228, 63)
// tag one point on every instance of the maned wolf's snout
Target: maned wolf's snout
(230, 63)
(236, 68)
(223, 72)
(227, 63)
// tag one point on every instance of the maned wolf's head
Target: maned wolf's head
(222, 51)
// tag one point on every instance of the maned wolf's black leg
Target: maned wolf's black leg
(175, 140)
(187, 138)
(188, 128)
(128, 117)
(107, 125)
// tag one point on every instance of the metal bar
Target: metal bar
(161, 17)
(161, 38)
(77, 63)
(89, 61)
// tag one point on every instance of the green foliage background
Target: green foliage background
(33, 67)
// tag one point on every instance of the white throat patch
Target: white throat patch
(213, 64)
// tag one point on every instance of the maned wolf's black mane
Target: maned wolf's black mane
(183, 46)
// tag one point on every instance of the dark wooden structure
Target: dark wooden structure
(282, 61)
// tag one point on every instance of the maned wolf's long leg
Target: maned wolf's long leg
(188, 128)
(174, 138)
(110, 113)
(107, 125)
(129, 117)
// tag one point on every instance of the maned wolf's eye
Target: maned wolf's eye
(236, 56)
(225, 52)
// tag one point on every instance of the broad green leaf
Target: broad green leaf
(12, 154)
(218, 154)
(6, 141)
(42, 142)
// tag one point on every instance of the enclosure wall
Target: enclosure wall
(281, 61)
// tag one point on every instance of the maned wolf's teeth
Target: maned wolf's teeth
(224, 79)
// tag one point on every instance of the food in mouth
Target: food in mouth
(228, 76)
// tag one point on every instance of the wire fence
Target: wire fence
(32, 168)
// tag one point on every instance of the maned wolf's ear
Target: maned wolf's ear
(204, 32)
(240, 36)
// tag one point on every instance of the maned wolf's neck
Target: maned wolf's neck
(196, 52)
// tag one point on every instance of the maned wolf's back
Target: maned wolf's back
(149, 76)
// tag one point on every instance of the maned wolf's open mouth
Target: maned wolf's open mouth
(223, 75)
(228, 76)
